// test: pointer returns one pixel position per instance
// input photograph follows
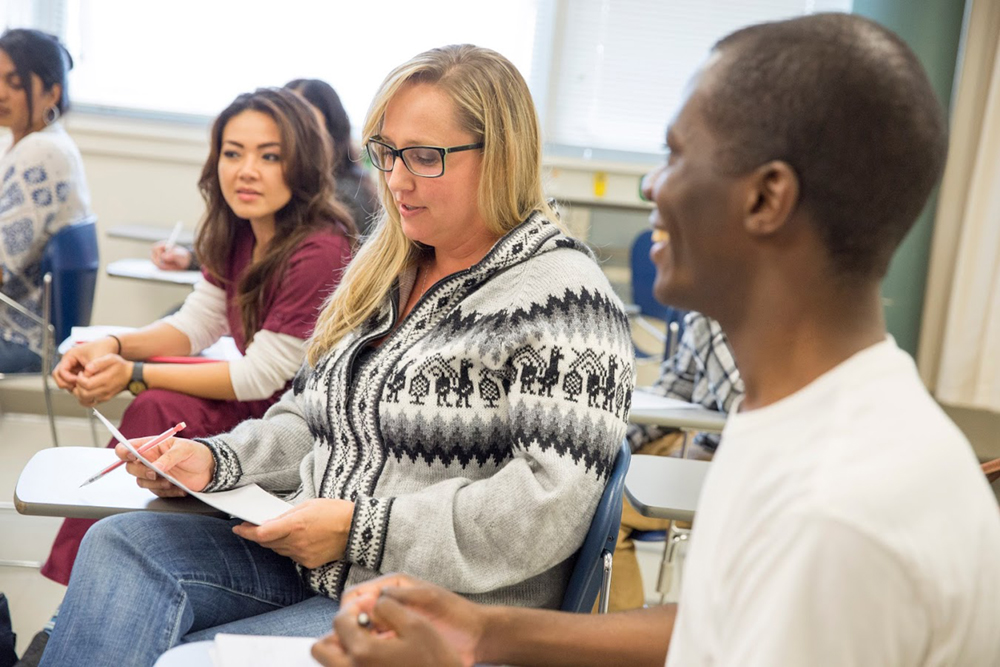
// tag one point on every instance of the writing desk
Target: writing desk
(144, 269)
(49, 485)
(665, 487)
(656, 410)
(149, 233)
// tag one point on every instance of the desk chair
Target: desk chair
(594, 557)
(69, 275)
(648, 313)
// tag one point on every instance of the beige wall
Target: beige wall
(138, 173)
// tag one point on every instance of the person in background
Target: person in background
(701, 371)
(274, 242)
(354, 187)
(845, 521)
(43, 186)
(463, 406)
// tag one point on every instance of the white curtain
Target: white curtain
(960, 335)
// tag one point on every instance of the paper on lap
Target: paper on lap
(250, 503)
(254, 651)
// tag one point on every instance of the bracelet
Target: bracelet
(117, 340)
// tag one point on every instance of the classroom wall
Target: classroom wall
(932, 28)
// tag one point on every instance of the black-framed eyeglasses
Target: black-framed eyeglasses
(423, 161)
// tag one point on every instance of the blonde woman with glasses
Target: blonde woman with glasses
(465, 395)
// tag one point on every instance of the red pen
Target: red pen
(169, 433)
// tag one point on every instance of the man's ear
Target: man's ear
(773, 194)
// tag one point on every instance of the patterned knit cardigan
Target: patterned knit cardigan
(475, 441)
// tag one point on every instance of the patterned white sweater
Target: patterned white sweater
(42, 189)
(476, 440)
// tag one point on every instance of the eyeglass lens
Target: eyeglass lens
(421, 161)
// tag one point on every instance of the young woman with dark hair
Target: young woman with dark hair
(43, 184)
(274, 242)
(354, 187)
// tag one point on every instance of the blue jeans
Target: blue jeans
(17, 358)
(146, 581)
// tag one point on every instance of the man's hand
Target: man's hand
(442, 619)
(312, 534)
(398, 636)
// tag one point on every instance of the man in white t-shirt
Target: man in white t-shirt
(846, 521)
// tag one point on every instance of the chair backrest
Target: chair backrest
(71, 257)
(585, 581)
(643, 274)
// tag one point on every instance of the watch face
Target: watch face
(136, 386)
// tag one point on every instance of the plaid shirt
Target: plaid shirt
(701, 371)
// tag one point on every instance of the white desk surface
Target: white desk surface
(223, 349)
(665, 487)
(195, 654)
(149, 233)
(49, 485)
(656, 410)
(144, 269)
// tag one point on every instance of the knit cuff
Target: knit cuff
(366, 541)
(227, 466)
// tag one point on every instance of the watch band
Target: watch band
(137, 384)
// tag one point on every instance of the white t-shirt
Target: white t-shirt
(847, 524)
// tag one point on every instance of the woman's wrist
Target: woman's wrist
(117, 342)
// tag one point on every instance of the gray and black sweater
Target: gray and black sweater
(475, 441)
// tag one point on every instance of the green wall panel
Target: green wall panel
(932, 28)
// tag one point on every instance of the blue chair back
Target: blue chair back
(643, 274)
(585, 581)
(71, 257)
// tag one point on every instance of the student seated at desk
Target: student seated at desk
(702, 371)
(464, 402)
(43, 184)
(354, 187)
(845, 520)
(274, 243)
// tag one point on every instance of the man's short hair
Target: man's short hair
(848, 106)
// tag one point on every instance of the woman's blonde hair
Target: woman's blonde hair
(493, 103)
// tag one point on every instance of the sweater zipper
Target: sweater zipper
(350, 378)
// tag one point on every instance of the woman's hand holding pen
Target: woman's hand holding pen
(171, 258)
(312, 533)
(187, 461)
